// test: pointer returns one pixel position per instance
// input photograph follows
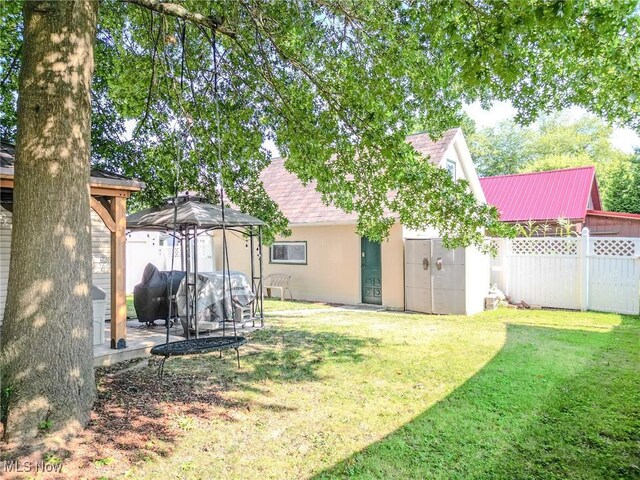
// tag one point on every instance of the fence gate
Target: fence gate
(601, 273)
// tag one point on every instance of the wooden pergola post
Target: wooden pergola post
(118, 209)
(115, 219)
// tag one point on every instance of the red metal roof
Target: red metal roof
(303, 204)
(543, 195)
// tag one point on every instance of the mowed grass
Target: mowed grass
(502, 395)
(276, 305)
(131, 311)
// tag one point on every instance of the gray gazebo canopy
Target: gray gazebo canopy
(192, 211)
(186, 218)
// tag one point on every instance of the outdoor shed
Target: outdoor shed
(613, 224)
(444, 281)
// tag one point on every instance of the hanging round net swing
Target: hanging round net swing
(230, 297)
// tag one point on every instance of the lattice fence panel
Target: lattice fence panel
(495, 245)
(614, 247)
(167, 250)
(544, 246)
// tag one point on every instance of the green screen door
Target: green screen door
(371, 272)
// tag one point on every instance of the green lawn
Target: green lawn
(131, 311)
(503, 395)
(275, 305)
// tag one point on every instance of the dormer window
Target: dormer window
(451, 168)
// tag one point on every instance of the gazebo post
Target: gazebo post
(195, 280)
(182, 261)
(118, 209)
(260, 293)
(187, 269)
(208, 217)
(253, 275)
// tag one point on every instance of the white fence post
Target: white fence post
(506, 258)
(583, 269)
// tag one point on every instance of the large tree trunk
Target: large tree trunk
(47, 354)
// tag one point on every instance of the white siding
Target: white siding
(451, 155)
(5, 252)
(459, 153)
(101, 253)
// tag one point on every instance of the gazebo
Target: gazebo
(187, 217)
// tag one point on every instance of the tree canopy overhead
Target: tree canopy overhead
(336, 85)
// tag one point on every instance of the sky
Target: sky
(623, 138)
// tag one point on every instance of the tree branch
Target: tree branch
(338, 8)
(13, 65)
(153, 77)
(175, 10)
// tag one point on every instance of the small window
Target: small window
(289, 252)
(451, 168)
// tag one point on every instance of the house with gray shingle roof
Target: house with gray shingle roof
(303, 205)
(326, 258)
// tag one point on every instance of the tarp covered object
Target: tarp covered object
(150, 295)
(209, 295)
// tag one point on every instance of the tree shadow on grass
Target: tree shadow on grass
(135, 417)
(279, 355)
(295, 355)
(138, 417)
(551, 404)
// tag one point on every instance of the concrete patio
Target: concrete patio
(141, 338)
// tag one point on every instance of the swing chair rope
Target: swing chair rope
(226, 273)
(226, 280)
(179, 156)
(206, 344)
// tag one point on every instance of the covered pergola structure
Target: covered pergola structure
(185, 218)
(109, 193)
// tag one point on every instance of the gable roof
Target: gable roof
(303, 204)
(543, 196)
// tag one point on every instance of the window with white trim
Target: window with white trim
(288, 252)
(451, 168)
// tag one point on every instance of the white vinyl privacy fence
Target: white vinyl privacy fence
(149, 247)
(582, 273)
